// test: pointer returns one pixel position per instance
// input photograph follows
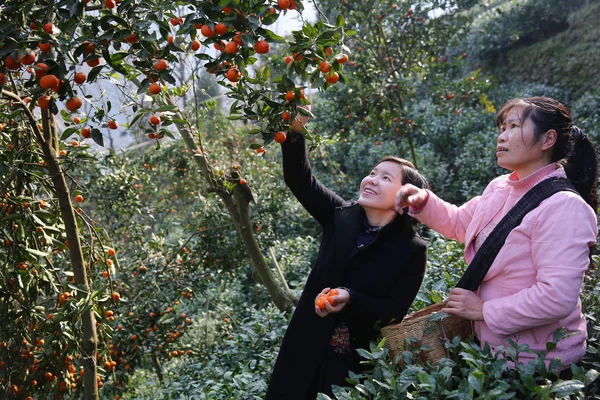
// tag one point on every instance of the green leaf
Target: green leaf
(36, 252)
(340, 21)
(68, 132)
(97, 137)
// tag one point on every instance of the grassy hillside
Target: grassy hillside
(569, 60)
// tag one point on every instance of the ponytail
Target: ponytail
(581, 166)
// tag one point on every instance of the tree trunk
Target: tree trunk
(157, 367)
(238, 207)
(89, 342)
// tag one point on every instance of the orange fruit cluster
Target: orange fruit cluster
(326, 297)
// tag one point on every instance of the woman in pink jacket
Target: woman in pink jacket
(533, 286)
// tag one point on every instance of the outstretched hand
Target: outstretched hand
(332, 303)
(409, 195)
(300, 120)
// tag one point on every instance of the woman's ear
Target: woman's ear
(549, 139)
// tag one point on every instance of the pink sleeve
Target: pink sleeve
(561, 237)
(445, 218)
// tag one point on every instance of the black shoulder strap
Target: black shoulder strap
(486, 254)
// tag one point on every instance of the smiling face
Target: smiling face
(518, 149)
(378, 189)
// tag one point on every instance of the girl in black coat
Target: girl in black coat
(368, 252)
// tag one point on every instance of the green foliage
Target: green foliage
(551, 42)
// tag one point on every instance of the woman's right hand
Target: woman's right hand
(409, 196)
(300, 120)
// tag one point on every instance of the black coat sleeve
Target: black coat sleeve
(316, 198)
(395, 305)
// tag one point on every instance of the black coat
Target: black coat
(384, 277)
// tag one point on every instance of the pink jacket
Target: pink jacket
(533, 286)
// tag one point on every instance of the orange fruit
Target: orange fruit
(331, 301)
(112, 124)
(333, 292)
(80, 78)
(2, 79)
(233, 74)
(48, 81)
(342, 58)
(171, 39)
(243, 181)
(324, 66)
(155, 120)
(111, 252)
(206, 31)
(76, 120)
(11, 63)
(262, 47)
(132, 38)
(28, 58)
(280, 137)
(221, 28)
(79, 198)
(320, 302)
(41, 69)
(231, 47)
(286, 116)
(48, 27)
(45, 47)
(161, 65)
(44, 102)
(332, 77)
(238, 39)
(86, 132)
(94, 62)
(283, 4)
(110, 4)
(154, 88)
(227, 10)
(88, 48)
(73, 104)
(288, 59)
(290, 95)
(220, 45)
(195, 45)
(58, 86)
(174, 21)
(116, 297)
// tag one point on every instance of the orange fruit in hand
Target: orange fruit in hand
(49, 81)
(262, 47)
(331, 300)
(73, 104)
(333, 292)
(280, 137)
(320, 302)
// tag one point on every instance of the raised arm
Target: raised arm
(315, 197)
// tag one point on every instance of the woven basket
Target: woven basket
(430, 332)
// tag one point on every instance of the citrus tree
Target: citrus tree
(52, 53)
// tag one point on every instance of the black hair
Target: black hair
(573, 149)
